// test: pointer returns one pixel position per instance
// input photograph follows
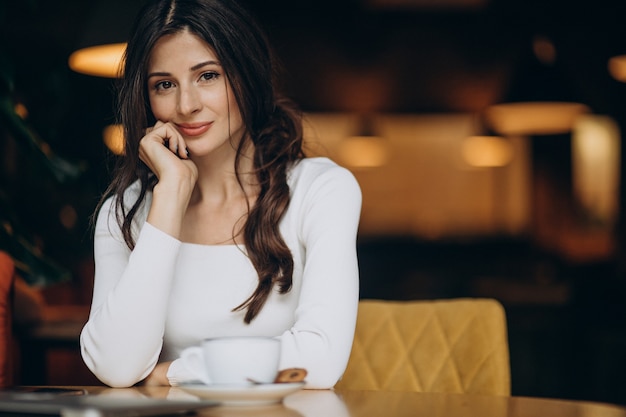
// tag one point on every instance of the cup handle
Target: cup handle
(193, 360)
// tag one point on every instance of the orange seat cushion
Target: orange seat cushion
(7, 276)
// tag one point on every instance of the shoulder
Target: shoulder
(314, 180)
(319, 170)
(325, 200)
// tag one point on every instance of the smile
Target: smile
(193, 129)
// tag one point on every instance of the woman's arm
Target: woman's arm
(122, 339)
(321, 338)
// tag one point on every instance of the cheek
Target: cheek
(233, 108)
(160, 108)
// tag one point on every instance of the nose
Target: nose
(188, 100)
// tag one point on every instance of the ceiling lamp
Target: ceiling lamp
(100, 47)
(487, 151)
(544, 50)
(113, 136)
(596, 167)
(364, 151)
(534, 118)
(617, 67)
(99, 61)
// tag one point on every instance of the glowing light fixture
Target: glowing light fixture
(596, 166)
(617, 67)
(99, 61)
(544, 50)
(21, 110)
(364, 151)
(534, 118)
(487, 151)
(113, 136)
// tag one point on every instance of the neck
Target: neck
(218, 182)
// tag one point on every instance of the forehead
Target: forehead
(180, 48)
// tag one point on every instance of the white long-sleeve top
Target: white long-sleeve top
(150, 304)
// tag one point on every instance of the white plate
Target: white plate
(262, 394)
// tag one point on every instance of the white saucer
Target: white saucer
(262, 394)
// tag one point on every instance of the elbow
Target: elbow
(117, 381)
(116, 378)
(112, 376)
(110, 372)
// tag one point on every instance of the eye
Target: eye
(163, 85)
(209, 76)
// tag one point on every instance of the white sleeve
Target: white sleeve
(321, 338)
(122, 339)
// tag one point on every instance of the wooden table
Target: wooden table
(331, 403)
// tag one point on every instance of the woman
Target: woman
(215, 223)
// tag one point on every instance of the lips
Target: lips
(193, 129)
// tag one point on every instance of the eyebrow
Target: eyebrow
(193, 68)
(203, 64)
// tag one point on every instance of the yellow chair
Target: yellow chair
(448, 345)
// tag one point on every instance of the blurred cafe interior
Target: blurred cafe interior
(485, 135)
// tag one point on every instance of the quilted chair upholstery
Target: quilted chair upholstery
(7, 277)
(448, 345)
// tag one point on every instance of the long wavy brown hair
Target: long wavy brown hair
(272, 123)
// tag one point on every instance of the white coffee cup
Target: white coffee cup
(234, 360)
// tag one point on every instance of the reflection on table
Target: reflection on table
(337, 403)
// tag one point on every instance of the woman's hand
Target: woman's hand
(164, 151)
(158, 376)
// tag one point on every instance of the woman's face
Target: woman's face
(187, 86)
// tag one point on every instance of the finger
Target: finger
(153, 143)
(151, 128)
(174, 140)
(167, 135)
(182, 151)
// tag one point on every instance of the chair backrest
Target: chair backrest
(448, 345)
(7, 277)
